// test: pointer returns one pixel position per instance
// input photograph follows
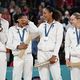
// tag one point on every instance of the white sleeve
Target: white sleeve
(67, 45)
(33, 30)
(2, 47)
(40, 29)
(3, 36)
(59, 38)
(11, 44)
(6, 26)
(76, 51)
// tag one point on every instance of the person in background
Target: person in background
(66, 22)
(4, 25)
(35, 49)
(18, 34)
(25, 10)
(51, 35)
(72, 45)
(15, 14)
(6, 15)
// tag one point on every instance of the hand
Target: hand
(22, 46)
(7, 50)
(53, 59)
(68, 63)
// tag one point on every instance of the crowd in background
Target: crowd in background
(33, 8)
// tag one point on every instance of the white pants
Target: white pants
(3, 66)
(53, 68)
(75, 74)
(23, 67)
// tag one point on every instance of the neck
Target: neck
(50, 21)
(78, 25)
(20, 26)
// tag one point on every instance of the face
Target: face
(73, 20)
(23, 21)
(46, 14)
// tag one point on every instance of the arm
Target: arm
(3, 36)
(75, 51)
(67, 48)
(11, 44)
(58, 37)
(67, 45)
(33, 30)
(2, 47)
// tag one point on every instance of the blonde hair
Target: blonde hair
(77, 15)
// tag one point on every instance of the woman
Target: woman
(51, 35)
(72, 46)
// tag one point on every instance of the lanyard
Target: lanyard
(78, 36)
(47, 32)
(22, 37)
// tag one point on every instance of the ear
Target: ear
(51, 13)
(18, 20)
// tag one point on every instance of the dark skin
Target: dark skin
(53, 59)
(22, 22)
(22, 46)
(7, 50)
(48, 17)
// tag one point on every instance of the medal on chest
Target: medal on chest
(45, 39)
(21, 36)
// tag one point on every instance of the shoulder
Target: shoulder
(31, 23)
(70, 30)
(12, 28)
(58, 24)
(5, 21)
(42, 25)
